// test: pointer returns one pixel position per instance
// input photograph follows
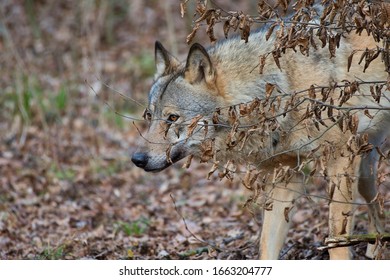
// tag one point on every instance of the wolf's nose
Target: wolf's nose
(140, 159)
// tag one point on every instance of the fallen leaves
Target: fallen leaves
(69, 191)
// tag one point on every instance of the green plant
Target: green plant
(50, 253)
(62, 173)
(135, 228)
(61, 100)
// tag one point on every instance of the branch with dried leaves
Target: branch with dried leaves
(329, 23)
(343, 241)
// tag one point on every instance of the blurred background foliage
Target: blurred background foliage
(53, 52)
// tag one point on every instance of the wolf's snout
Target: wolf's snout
(140, 159)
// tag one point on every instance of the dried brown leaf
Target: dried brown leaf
(215, 118)
(253, 105)
(206, 128)
(232, 115)
(262, 63)
(245, 31)
(247, 182)
(323, 36)
(372, 55)
(210, 32)
(193, 124)
(213, 169)
(363, 56)
(234, 22)
(365, 148)
(205, 15)
(350, 57)
(228, 171)
(270, 31)
(312, 92)
(367, 113)
(226, 28)
(187, 164)
(276, 55)
(269, 88)
(183, 8)
(191, 36)
(332, 46)
(287, 211)
(353, 124)
(206, 150)
(243, 108)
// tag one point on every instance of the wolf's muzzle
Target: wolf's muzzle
(140, 159)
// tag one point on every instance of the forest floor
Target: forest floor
(68, 189)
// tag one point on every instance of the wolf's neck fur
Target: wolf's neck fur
(238, 75)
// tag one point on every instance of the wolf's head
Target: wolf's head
(181, 92)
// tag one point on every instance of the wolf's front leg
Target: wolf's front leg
(343, 186)
(276, 222)
(366, 187)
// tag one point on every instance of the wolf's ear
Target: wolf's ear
(199, 66)
(165, 62)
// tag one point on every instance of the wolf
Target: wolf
(191, 105)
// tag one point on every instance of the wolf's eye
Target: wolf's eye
(147, 115)
(172, 118)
